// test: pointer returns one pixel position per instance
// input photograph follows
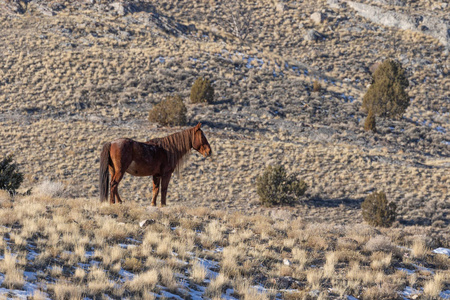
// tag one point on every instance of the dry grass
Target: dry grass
(13, 272)
(198, 273)
(419, 249)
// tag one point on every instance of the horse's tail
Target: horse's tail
(104, 172)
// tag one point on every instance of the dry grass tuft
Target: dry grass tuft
(13, 273)
(198, 272)
(433, 287)
(49, 189)
(143, 281)
(329, 267)
(379, 243)
(67, 290)
(216, 286)
(419, 249)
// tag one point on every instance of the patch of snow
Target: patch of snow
(30, 276)
(208, 265)
(169, 295)
(445, 294)
(127, 246)
(407, 271)
(126, 275)
(31, 255)
(441, 250)
(423, 268)
(409, 291)
(351, 298)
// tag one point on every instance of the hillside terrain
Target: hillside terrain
(76, 74)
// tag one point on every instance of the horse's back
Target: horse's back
(139, 159)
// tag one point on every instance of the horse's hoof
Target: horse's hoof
(152, 204)
(162, 205)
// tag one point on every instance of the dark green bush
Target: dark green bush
(170, 111)
(377, 211)
(202, 91)
(10, 177)
(370, 123)
(275, 187)
(386, 97)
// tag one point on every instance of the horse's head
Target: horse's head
(200, 143)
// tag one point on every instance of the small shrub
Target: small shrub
(275, 187)
(170, 111)
(316, 86)
(370, 123)
(10, 177)
(202, 91)
(386, 97)
(377, 211)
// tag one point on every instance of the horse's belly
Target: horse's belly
(138, 170)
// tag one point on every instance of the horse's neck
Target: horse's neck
(179, 145)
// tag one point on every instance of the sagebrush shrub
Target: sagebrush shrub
(275, 187)
(170, 111)
(377, 211)
(10, 177)
(370, 123)
(386, 97)
(202, 91)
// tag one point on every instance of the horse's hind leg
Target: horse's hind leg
(156, 182)
(114, 187)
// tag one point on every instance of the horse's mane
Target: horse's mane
(176, 145)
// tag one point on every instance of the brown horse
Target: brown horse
(157, 157)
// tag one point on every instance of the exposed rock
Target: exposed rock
(317, 17)
(313, 35)
(168, 24)
(336, 4)
(13, 6)
(280, 7)
(145, 223)
(122, 8)
(45, 10)
(434, 27)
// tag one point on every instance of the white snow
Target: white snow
(441, 250)
(410, 291)
(445, 294)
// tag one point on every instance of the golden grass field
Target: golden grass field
(85, 75)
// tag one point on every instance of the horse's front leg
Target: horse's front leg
(164, 185)
(156, 181)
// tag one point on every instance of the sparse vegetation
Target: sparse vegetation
(317, 86)
(10, 177)
(377, 211)
(202, 91)
(386, 96)
(170, 111)
(275, 187)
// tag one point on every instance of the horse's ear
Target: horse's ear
(197, 127)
